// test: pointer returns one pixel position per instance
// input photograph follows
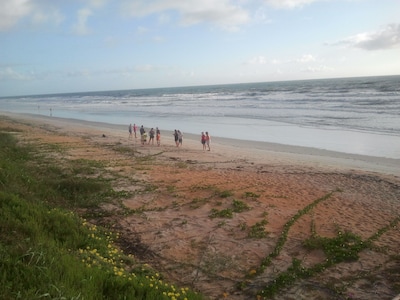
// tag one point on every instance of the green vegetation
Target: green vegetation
(49, 252)
(224, 194)
(237, 207)
(251, 195)
(257, 231)
(345, 247)
(224, 213)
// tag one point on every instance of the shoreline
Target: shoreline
(259, 152)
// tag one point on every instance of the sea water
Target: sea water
(350, 115)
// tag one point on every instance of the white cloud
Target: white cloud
(260, 16)
(55, 17)
(317, 69)
(9, 73)
(36, 12)
(97, 3)
(306, 58)
(164, 19)
(257, 60)
(386, 38)
(79, 73)
(80, 27)
(221, 13)
(144, 68)
(12, 11)
(289, 4)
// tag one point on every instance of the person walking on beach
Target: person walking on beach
(141, 130)
(208, 140)
(130, 130)
(158, 136)
(203, 141)
(151, 138)
(180, 137)
(176, 138)
(134, 129)
(143, 137)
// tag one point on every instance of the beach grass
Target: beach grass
(49, 252)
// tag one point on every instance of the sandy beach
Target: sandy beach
(178, 191)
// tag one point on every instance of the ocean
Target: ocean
(349, 115)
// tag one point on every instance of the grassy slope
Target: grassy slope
(46, 251)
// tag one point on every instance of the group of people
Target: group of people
(156, 133)
(143, 134)
(178, 137)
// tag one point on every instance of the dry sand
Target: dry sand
(176, 189)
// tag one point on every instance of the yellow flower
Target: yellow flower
(252, 272)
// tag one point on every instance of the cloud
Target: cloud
(97, 3)
(55, 17)
(36, 12)
(260, 16)
(386, 38)
(257, 60)
(80, 27)
(9, 73)
(222, 13)
(78, 73)
(317, 69)
(12, 11)
(306, 58)
(144, 68)
(289, 4)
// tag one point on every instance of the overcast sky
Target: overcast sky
(56, 46)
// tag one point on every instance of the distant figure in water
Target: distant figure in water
(51, 112)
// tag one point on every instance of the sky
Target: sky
(58, 46)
